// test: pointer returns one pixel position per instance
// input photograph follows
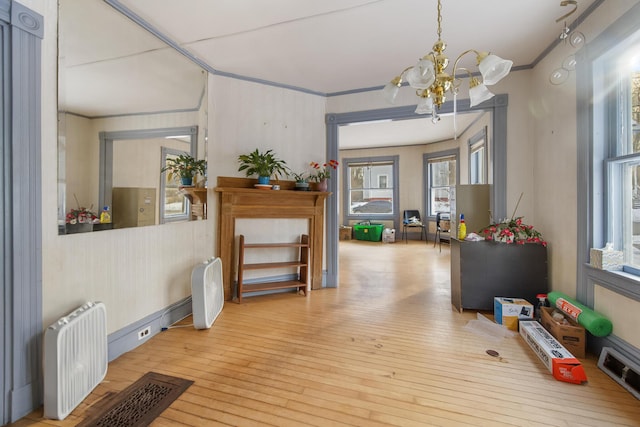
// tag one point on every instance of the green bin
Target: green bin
(370, 232)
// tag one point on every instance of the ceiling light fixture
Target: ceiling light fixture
(575, 39)
(432, 82)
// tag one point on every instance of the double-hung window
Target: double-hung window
(372, 187)
(441, 180)
(616, 78)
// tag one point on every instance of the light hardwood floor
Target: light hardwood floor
(385, 348)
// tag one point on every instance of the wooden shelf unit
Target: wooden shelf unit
(238, 199)
(301, 264)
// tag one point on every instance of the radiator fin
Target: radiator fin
(75, 358)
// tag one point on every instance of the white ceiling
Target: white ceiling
(339, 45)
(326, 47)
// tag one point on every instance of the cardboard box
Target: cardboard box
(558, 360)
(571, 335)
(345, 233)
(606, 259)
(508, 311)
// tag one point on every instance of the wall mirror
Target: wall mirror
(127, 101)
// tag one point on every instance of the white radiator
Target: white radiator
(207, 294)
(75, 358)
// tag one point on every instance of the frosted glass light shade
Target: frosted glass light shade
(558, 76)
(390, 92)
(576, 39)
(425, 106)
(478, 94)
(569, 63)
(422, 75)
(493, 69)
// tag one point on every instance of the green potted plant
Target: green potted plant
(184, 167)
(302, 181)
(263, 164)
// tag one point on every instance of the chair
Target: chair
(411, 219)
(443, 225)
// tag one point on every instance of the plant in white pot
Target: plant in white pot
(264, 165)
(301, 179)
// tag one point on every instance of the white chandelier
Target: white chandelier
(432, 82)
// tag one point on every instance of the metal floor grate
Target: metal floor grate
(139, 404)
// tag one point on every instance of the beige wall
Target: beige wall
(245, 116)
(81, 149)
(139, 271)
(135, 272)
(552, 111)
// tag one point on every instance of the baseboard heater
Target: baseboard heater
(621, 369)
(75, 358)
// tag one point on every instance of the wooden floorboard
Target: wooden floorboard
(383, 349)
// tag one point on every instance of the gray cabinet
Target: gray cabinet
(483, 270)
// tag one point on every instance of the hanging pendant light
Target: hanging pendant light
(432, 82)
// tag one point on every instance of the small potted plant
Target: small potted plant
(323, 173)
(184, 167)
(302, 183)
(263, 164)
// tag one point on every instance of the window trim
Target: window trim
(166, 151)
(394, 160)
(107, 139)
(474, 143)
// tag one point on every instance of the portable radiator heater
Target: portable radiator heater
(75, 358)
(207, 294)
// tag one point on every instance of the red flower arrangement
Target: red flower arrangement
(81, 216)
(512, 231)
(325, 171)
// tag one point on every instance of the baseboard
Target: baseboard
(22, 401)
(126, 339)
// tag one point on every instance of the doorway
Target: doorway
(497, 106)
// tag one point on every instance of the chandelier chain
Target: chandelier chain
(439, 19)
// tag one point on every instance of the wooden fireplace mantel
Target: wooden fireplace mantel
(239, 199)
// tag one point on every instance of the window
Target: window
(173, 204)
(382, 181)
(441, 179)
(371, 187)
(478, 158)
(617, 76)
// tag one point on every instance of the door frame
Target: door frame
(496, 105)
